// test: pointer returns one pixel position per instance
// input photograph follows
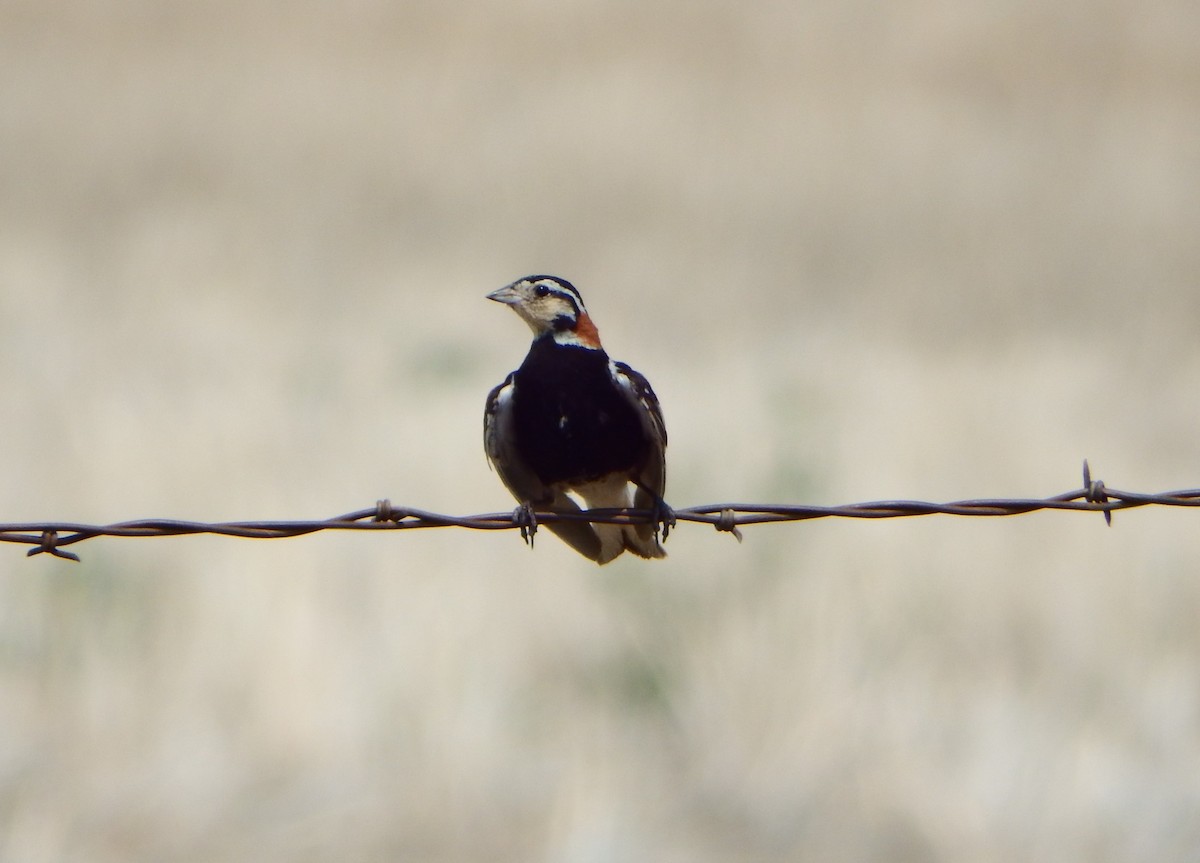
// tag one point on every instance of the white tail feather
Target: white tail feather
(615, 493)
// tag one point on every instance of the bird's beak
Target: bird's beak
(507, 295)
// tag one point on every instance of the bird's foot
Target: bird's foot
(661, 514)
(525, 518)
(662, 517)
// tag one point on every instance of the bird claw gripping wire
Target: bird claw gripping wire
(661, 514)
(1093, 491)
(525, 518)
(662, 517)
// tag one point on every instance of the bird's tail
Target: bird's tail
(641, 539)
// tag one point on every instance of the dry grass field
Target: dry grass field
(920, 250)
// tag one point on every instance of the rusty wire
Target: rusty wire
(52, 537)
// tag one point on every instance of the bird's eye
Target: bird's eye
(541, 291)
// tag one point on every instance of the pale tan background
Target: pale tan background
(922, 249)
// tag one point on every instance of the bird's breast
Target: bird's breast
(572, 422)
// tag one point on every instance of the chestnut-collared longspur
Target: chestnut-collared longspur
(572, 420)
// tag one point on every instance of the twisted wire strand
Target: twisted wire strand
(53, 537)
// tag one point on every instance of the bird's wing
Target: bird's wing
(651, 479)
(498, 438)
(636, 388)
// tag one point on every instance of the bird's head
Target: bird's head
(552, 307)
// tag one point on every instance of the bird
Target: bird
(572, 421)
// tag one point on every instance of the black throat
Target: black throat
(572, 422)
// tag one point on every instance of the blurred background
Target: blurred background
(919, 250)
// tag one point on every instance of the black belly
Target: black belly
(572, 423)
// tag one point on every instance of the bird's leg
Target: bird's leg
(663, 517)
(661, 514)
(525, 518)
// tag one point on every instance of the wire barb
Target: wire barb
(1094, 491)
(51, 537)
(384, 511)
(49, 545)
(727, 521)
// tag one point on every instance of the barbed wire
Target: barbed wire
(52, 537)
